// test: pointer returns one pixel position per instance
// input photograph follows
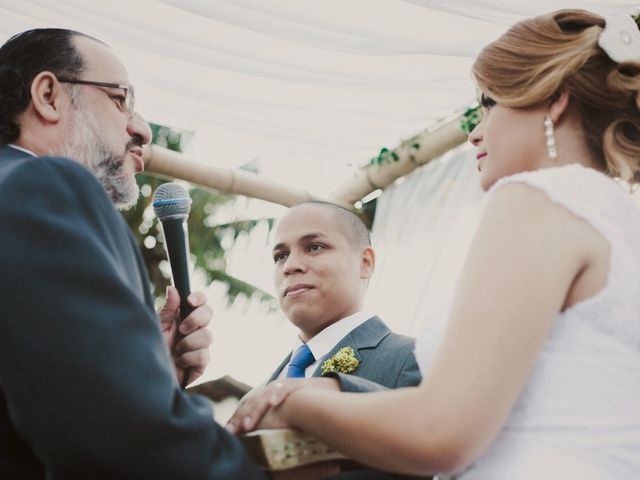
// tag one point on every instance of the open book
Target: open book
(282, 449)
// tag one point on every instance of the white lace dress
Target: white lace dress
(578, 416)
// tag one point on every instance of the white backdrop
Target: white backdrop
(421, 233)
(309, 89)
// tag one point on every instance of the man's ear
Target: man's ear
(559, 105)
(46, 95)
(367, 262)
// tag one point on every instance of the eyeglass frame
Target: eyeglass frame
(129, 96)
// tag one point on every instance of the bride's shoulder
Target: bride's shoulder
(571, 178)
(584, 191)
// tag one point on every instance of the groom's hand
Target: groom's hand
(262, 400)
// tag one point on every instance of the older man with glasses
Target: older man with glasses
(88, 385)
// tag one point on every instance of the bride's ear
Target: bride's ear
(558, 105)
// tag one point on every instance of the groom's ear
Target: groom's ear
(367, 262)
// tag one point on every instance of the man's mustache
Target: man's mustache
(136, 141)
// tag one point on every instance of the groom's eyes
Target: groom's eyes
(279, 256)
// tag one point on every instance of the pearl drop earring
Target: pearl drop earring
(551, 139)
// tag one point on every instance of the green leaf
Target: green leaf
(470, 119)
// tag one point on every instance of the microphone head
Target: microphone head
(171, 202)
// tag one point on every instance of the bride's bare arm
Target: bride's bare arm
(520, 272)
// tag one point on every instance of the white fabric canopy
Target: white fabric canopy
(421, 234)
(309, 89)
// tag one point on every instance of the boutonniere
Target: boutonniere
(344, 361)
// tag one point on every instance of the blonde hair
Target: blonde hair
(539, 57)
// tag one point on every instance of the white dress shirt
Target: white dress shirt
(323, 342)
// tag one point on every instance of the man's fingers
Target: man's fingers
(199, 318)
(250, 411)
(233, 425)
(202, 338)
(278, 394)
(196, 299)
(195, 360)
(172, 300)
(253, 412)
(255, 405)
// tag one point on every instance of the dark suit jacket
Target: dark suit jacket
(386, 361)
(87, 385)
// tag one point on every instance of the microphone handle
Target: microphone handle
(176, 242)
(175, 239)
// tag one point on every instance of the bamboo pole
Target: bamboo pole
(167, 163)
(411, 154)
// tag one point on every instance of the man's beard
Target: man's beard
(86, 145)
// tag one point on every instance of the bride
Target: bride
(538, 372)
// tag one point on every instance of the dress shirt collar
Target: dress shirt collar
(22, 149)
(323, 342)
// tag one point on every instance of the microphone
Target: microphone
(171, 204)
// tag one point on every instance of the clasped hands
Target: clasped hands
(260, 408)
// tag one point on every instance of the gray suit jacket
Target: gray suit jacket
(386, 361)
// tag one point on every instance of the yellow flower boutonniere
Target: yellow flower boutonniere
(344, 361)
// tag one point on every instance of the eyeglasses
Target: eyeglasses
(125, 103)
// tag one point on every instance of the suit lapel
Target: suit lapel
(276, 373)
(367, 335)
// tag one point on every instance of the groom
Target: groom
(323, 262)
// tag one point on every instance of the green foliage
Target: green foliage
(385, 156)
(208, 243)
(390, 156)
(470, 119)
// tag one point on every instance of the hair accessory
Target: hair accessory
(551, 139)
(620, 38)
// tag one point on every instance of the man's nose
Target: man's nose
(293, 264)
(138, 126)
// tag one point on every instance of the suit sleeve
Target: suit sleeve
(355, 384)
(87, 377)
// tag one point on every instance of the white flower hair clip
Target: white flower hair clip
(620, 38)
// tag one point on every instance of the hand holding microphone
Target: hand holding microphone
(171, 204)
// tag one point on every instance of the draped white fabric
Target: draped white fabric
(310, 89)
(421, 233)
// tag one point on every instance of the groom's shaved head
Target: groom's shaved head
(349, 224)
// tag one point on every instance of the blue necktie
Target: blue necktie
(300, 360)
